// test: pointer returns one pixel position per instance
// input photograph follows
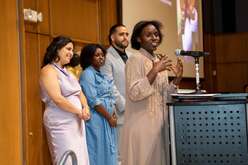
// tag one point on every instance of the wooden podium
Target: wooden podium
(208, 129)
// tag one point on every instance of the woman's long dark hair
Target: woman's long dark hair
(87, 54)
(75, 60)
(51, 54)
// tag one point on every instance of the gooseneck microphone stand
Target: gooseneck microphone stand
(197, 76)
(196, 55)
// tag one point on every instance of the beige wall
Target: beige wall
(10, 116)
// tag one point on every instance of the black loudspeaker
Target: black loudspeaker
(225, 16)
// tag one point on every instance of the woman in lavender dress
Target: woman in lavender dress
(66, 105)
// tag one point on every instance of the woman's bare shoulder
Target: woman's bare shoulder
(48, 70)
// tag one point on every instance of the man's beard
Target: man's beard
(121, 45)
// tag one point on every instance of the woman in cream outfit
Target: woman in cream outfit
(143, 136)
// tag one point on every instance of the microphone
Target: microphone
(180, 52)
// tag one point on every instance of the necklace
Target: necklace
(60, 69)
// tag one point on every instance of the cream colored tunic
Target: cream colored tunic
(145, 137)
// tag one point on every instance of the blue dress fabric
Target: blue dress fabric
(101, 138)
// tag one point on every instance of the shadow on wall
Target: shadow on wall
(246, 88)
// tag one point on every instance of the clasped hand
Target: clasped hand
(163, 64)
(84, 115)
(166, 64)
(113, 120)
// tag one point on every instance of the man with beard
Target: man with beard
(114, 67)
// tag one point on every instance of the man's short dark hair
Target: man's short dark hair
(112, 30)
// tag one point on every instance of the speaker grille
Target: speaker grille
(211, 134)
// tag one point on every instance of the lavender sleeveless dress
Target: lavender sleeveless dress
(65, 131)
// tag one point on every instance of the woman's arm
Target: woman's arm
(138, 82)
(138, 86)
(87, 82)
(85, 106)
(178, 72)
(49, 80)
(112, 120)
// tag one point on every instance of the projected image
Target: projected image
(187, 23)
(167, 2)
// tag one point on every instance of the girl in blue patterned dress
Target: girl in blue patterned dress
(101, 128)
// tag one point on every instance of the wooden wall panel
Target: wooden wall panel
(108, 12)
(231, 47)
(231, 77)
(78, 46)
(33, 111)
(44, 41)
(34, 133)
(226, 67)
(39, 6)
(80, 20)
(30, 4)
(10, 118)
(209, 63)
(44, 26)
(45, 155)
(77, 19)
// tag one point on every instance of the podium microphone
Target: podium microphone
(180, 52)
